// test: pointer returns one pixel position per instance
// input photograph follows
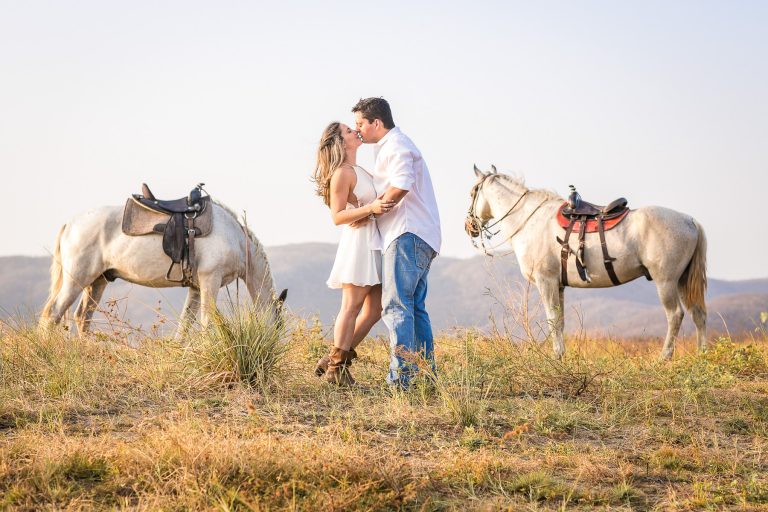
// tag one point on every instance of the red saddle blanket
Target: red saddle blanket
(608, 223)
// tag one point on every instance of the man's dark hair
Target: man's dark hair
(375, 108)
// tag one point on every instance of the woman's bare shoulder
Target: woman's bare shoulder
(344, 173)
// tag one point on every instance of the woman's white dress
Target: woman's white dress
(358, 258)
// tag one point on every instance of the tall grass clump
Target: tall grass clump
(48, 364)
(464, 385)
(245, 344)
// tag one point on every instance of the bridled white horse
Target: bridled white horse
(668, 245)
(92, 250)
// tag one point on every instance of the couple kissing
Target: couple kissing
(390, 235)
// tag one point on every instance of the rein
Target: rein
(485, 230)
(488, 228)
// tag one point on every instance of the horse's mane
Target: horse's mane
(518, 182)
(242, 224)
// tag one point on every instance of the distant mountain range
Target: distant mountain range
(479, 292)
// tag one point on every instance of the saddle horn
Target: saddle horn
(146, 192)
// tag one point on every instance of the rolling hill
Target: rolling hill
(478, 292)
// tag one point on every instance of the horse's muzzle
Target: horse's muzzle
(472, 227)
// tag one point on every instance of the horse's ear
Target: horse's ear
(493, 169)
(283, 296)
(479, 173)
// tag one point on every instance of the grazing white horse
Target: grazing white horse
(92, 250)
(668, 245)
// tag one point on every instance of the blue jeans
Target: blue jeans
(405, 266)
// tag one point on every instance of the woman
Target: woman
(348, 190)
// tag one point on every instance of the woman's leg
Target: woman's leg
(364, 321)
(340, 358)
(352, 300)
(369, 315)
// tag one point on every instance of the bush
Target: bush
(245, 345)
(740, 360)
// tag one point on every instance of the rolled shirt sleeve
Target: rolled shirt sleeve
(402, 174)
(399, 164)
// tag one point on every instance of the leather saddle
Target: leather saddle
(585, 217)
(611, 214)
(179, 221)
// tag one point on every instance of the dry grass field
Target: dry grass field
(234, 421)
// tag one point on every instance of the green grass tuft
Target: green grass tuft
(246, 344)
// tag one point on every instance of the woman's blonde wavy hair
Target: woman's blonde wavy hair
(330, 156)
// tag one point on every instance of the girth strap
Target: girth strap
(173, 245)
(191, 269)
(607, 260)
(580, 267)
(180, 240)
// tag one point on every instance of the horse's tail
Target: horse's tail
(693, 282)
(57, 276)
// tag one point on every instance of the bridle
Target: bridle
(477, 228)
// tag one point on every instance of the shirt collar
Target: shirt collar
(387, 136)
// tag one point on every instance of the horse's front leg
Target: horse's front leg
(209, 290)
(189, 312)
(552, 296)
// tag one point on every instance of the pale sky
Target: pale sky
(663, 102)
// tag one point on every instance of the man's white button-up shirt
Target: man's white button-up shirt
(400, 164)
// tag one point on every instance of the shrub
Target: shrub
(245, 344)
(740, 360)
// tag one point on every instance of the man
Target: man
(410, 234)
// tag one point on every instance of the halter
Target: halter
(474, 224)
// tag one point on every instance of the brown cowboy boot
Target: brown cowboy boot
(338, 368)
(322, 364)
